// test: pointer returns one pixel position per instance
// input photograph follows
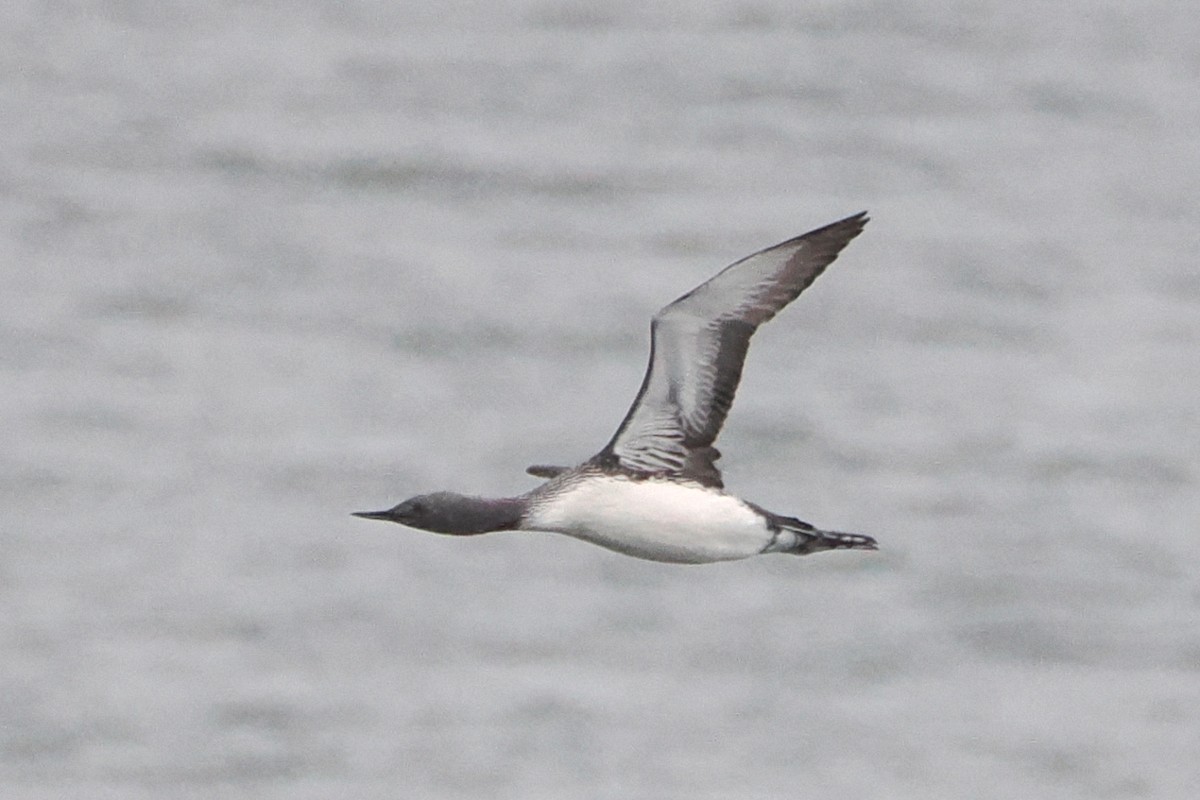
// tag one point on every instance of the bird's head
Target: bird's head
(451, 513)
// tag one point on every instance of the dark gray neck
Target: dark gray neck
(470, 515)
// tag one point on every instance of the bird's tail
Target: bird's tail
(799, 538)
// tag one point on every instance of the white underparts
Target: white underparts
(660, 520)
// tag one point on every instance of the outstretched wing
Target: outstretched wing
(697, 346)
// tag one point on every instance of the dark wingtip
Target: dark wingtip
(854, 222)
(825, 243)
(545, 470)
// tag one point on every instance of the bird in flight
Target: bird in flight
(654, 491)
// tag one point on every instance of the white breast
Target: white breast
(660, 520)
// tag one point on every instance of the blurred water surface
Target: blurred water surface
(265, 264)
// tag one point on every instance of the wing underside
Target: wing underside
(697, 347)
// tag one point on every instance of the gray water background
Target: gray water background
(265, 264)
